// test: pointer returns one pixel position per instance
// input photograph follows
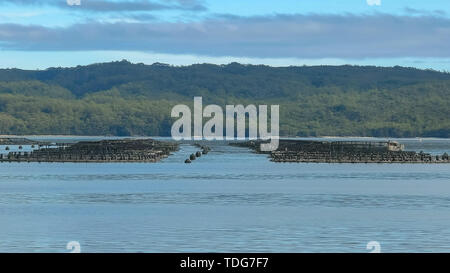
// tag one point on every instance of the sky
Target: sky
(37, 34)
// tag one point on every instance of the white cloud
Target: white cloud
(74, 2)
(374, 2)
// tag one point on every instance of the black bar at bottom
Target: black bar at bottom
(223, 262)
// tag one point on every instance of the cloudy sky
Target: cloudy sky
(44, 33)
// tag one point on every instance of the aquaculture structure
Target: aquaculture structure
(124, 150)
(344, 152)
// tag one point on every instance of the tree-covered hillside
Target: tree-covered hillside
(121, 98)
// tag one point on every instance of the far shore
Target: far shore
(282, 137)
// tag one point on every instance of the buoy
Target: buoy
(20, 147)
(205, 150)
(7, 148)
(187, 161)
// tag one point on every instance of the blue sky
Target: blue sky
(44, 33)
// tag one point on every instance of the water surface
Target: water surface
(231, 200)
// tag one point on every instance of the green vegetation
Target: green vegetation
(123, 99)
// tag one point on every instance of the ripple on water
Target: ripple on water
(409, 202)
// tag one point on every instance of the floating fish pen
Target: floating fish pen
(344, 152)
(126, 150)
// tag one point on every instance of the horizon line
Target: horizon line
(227, 64)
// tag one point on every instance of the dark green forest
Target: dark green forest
(124, 99)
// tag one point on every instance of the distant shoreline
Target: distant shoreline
(282, 137)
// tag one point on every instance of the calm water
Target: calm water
(228, 201)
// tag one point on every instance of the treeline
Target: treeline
(124, 99)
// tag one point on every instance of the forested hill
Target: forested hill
(121, 98)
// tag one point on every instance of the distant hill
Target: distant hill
(121, 98)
